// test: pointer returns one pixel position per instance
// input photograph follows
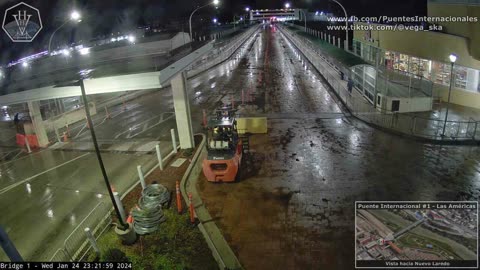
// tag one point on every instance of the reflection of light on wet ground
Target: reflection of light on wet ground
(195, 85)
(99, 196)
(73, 219)
(290, 86)
(353, 138)
(50, 213)
(77, 191)
(29, 188)
(213, 85)
(320, 171)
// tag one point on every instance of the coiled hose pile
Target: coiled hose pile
(148, 215)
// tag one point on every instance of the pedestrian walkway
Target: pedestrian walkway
(331, 62)
(455, 112)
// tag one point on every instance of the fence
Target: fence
(76, 246)
(221, 54)
(405, 123)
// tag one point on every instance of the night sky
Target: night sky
(106, 16)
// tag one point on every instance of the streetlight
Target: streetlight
(453, 59)
(234, 22)
(346, 23)
(214, 2)
(84, 51)
(66, 52)
(24, 64)
(122, 224)
(131, 38)
(215, 20)
(74, 17)
(247, 9)
(287, 5)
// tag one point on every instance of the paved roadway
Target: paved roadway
(295, 208)
(45, 195)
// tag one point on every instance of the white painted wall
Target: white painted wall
(417, 104)
(69, 118)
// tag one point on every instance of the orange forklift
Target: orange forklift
(224, 147)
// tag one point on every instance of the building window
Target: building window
(396, 61)
(419, 67)
(460, 77)
(438, 72)
(442, 73)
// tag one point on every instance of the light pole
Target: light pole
(122, 224)
(214, 2)
(247, 16)
(287, 5)
(453, 59)
(74, 16)
(234, 22)
(346, 24)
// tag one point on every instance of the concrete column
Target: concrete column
(472, 79)
(37, 123)
(182, 110)
(329, 38)
(338, 43)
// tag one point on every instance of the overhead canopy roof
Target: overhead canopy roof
(110, 84)
(346, 58)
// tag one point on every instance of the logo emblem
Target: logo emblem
(22, 22)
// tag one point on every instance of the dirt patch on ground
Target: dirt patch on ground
(176, 244)
(167, 177)
(264, 229)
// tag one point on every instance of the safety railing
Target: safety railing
(221, 54)
(405, 123)
(75, 247)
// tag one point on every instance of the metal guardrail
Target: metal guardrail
(405, 123)
(75, 246)
(221, 54)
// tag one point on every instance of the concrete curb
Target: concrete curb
(384, 129)
(237, 43)
(221, 251)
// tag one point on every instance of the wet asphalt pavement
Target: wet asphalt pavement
(45, 195)
(294, 208)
